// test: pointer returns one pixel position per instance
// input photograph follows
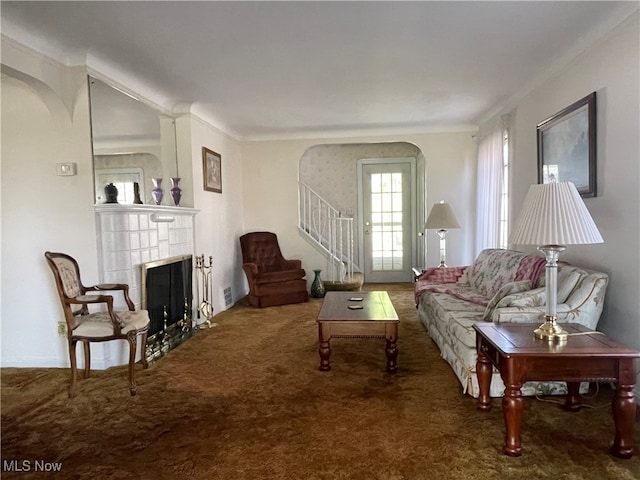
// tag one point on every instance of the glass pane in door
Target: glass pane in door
(386, 222)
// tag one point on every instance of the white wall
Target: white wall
(42, 211)
(611, 69)
(219, 223)
(450, 164)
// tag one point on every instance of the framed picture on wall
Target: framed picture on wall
(212, 170)
(567, 146)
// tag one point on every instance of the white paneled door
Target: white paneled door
(387, 191)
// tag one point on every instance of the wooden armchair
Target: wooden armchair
(272, 279)
(99, 326)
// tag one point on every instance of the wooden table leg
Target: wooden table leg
(324, 349)
(512, 408)
(392, 356)
(391, 335)
(484, 371)
(623, 406)
(573, 401)
(325, 354)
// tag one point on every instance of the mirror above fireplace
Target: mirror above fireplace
(132, 143)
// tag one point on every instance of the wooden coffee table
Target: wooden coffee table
(358, 315)
(521, 357)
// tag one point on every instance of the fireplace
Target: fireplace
(167, 295)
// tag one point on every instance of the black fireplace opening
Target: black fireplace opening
(167, 295)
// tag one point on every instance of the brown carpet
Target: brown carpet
(245, 400)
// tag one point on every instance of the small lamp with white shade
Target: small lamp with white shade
(553, 215)
(442, 219)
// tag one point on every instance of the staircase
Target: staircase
(332, 234)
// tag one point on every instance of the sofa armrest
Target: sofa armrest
(584, 304)
(440, 275)
(436, 276)
(591, 289)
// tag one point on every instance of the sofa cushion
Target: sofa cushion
(279, 276)
(530, 298)
(492, 269)
(456, 298)
(507, 289)
(459, 329)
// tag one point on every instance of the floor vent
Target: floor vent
(228, 300)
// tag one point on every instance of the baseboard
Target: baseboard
(52, 362)
(33, 362)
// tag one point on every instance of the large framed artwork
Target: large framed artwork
(567, 146)
(212, 170)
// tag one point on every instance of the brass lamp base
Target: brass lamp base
(550, 331)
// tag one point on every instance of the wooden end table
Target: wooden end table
(520, 357)
(371, 316)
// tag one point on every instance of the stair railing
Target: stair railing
(332, 233)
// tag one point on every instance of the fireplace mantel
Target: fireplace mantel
(134, 208)
(130, 235)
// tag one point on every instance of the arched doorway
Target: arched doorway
(333, 172)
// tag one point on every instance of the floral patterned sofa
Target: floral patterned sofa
(502, 286)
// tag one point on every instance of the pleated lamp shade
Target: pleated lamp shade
(554, 214)
(441, 217)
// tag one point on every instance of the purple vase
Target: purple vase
(176, 191)
(157, 193)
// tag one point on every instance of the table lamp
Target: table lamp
(442, 219)
(553, 215)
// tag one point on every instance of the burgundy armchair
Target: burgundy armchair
(272, 279)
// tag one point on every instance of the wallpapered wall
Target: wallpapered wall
(331, 171)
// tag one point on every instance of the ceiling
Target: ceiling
(260, 70)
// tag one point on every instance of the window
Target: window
(504, 195)
(492, 216)
(386, 221)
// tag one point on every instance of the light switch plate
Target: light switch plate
(66, 169)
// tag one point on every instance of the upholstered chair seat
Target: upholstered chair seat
(262, 278)
(100, 326)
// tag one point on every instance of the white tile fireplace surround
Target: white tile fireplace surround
(130, 235)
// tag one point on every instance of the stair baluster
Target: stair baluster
(329, 231)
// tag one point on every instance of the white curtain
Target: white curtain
(490, 172)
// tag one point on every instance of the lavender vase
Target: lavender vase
(176, 191)
(157, 193)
